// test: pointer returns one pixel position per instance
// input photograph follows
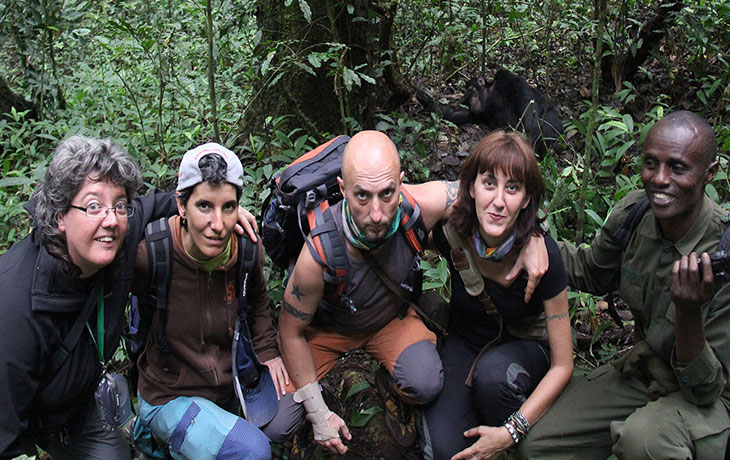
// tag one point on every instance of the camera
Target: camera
(720, 262)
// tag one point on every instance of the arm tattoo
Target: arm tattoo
(297, 293)
(452, 192)
(557, 316)
(298, 314)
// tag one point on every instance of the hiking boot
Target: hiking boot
(399, 417)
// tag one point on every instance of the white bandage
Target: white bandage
(317, 411)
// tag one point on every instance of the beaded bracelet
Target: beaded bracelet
(522, 420)
(512, 432)
(520, 423)
(520, 430)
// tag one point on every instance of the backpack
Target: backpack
(158, 239)
(299, 204)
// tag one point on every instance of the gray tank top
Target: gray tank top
(367, 304)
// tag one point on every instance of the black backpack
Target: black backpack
(622, 238)
(299, 204)
(159, 252)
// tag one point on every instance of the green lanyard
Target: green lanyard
(99, 326)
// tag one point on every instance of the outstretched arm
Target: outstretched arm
(301, 297)
(436, 199)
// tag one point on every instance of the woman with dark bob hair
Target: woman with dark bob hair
(505, 360)
(65, 287)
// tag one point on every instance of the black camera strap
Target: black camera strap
(61, 354)
(390, 284)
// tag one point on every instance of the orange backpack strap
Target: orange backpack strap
(412, 222)
(327, 248)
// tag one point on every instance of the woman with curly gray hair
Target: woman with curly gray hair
(81, 254)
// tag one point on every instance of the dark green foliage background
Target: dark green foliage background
(138, 71)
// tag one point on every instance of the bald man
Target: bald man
(669, 397)
(315, 332)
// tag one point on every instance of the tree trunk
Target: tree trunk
(355, 35)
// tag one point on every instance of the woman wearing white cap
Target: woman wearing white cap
(186, 383)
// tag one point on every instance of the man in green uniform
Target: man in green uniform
(669, 398)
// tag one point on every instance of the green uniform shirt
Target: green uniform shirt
(646, 276)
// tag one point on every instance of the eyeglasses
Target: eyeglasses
(99, 211)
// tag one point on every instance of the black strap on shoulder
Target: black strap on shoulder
(159, 252)
(61, 354)
(621, 238)
(390, 284)
(624, 232)
(248, 253)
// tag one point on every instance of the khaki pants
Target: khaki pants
(602, 413)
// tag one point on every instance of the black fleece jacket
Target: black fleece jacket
(39, 304)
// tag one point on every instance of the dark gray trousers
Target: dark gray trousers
(92, 442)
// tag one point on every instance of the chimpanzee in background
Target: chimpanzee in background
(509, 101)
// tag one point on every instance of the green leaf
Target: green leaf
(306, 10)
(361, 418)
(267, 62)
(306, 68)
(443, 270)
(358, 388)
(427, 285)
(349, 77)
(382, 126)
(268, 170)
(300, 142)
(595, 217)
(629, 122)
(13, 181)
(367, 78)
(624, 147)
(315, 59)
(701, 96)
(617, 124)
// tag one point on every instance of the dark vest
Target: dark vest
(367, 305)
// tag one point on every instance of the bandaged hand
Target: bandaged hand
(326, 425)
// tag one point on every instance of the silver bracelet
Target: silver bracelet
(522, 420)
(512, 432)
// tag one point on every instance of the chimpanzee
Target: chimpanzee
(509, 101)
